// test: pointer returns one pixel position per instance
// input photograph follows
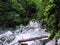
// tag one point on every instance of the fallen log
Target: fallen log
(34, 38)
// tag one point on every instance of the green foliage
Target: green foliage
(58, 35)
(16, 12)
(52, 34)
(48, 11)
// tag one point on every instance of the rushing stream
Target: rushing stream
(33, 29)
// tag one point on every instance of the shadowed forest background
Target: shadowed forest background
(16, 12)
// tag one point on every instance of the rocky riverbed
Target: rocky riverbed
(32, 30)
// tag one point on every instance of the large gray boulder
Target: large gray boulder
(6, 37)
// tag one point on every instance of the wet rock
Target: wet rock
(32, 30)
(7, 37)
(58, 41)
(52, 42)
(1, 42)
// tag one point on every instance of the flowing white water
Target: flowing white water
(33, 29)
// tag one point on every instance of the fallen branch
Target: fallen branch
(31, 39)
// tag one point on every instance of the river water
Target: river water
(12, 37)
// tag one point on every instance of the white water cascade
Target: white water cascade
(33, 29)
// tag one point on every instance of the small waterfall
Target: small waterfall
(33, 29)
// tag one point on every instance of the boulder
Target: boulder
(7, 37)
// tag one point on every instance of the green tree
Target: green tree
(16, 12)
(48, 11)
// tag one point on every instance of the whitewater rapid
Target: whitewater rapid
(33, 29)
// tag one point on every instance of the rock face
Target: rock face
(7, 37)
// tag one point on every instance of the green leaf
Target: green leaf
(48, 7)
